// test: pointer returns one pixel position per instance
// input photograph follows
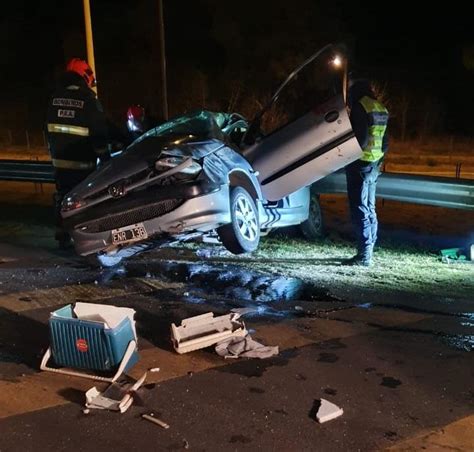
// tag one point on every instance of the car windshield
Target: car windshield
(201, 124)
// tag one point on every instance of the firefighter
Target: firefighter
(77, 134)
(139, 121)
(136, 121)
(369, 119)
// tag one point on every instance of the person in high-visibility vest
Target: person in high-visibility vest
(77, 134)
(369, 119)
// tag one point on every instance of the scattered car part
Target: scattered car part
(117, 397)
(328, 411)
(205, 330)
(155, 420)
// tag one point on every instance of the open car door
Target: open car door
(306, 130)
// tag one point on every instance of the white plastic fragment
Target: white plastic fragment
(204, 330)
(328, 411)
(155, 420)
(115, 397)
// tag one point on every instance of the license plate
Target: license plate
(127, 234)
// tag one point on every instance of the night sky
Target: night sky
(217, 48)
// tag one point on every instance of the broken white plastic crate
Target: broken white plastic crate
(92, 337)
(204, 330)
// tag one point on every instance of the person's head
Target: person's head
(136, 119)
(358, 86)
(83, 69)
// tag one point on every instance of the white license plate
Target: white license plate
(127, 234)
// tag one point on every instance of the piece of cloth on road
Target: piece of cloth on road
(245, 347)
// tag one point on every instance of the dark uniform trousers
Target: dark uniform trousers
(361, 186)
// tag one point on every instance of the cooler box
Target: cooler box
(92, 337)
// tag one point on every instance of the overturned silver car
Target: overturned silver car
(209, 172)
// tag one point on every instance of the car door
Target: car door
(306, 133)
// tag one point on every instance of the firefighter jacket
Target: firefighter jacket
(76, 125)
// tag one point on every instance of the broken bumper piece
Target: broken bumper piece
(205, 330)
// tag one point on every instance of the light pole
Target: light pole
(89, 38)
(164, 95)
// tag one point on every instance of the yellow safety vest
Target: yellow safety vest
(378, 117)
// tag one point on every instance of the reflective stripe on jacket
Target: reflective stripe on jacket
(68, 129)
(377, 119)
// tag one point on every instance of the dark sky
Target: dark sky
(413, 49)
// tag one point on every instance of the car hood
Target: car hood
(138, 162)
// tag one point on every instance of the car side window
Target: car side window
(312, 86)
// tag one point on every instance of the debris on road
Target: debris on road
(244, 311)
(244, 347)
(92, 337)
(117, 397)
(205, 330)
(452, 254)
(328, 411)
(155, 420)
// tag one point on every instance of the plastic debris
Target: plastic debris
(328, 411)
(204, 330)
(155, 420)
(244, 347)
(92, 337)
(452, 254)
(117, 397)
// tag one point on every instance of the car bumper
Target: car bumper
(200, 213)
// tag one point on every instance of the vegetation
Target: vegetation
(396, 269)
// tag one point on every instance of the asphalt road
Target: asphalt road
(403, 378)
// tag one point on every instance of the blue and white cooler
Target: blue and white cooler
(88, 337)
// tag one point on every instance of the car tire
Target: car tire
(312, 228)
(242, 234)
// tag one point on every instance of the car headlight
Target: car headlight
(185, 165)
(69, 203)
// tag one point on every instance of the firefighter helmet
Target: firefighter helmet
(82, 68)
(136, 119)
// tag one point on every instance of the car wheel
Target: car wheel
(312, 228)
(242, 235)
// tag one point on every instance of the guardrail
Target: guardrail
(26, 171)
(427, 190)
